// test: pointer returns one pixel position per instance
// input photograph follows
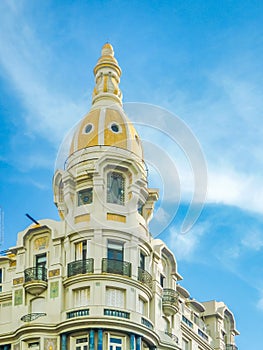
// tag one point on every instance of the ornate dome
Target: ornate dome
(106, 124)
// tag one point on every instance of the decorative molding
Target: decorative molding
(50, 343)
(18, 297)
(54, 273)
(18, 280)
(54, 290)
(82, 218)
(41, 243)
(116, 217)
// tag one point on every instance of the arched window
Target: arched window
(60, 191)
(115, 188)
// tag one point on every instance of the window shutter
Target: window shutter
(115, 297)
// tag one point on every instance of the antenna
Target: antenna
(32, 219)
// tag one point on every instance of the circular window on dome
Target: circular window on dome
(115, 128)
(88, 128)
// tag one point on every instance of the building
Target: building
(97, 279)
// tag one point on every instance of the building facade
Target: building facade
(97, 279)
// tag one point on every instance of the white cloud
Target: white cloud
(27, 61)
(162, 216)
(239, 189)
(253, 240)
(184, 246)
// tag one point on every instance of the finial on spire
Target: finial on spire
(107, 77)
(107, 50)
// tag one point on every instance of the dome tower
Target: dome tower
(104, 178)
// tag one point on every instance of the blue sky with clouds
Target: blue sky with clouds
(200, 60)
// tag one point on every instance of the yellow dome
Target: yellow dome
(106, 126)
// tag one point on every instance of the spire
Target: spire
(107, 77)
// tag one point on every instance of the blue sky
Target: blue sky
(202, 61)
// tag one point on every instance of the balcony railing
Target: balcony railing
(78, 313)
(202, 334)
(146, 323)
(145, 277)
(231, 347)
(116, 313)
(173, 336)
(117, 267)
(36, 274)
(170, 296)
(80, 267)
(170, 301)
(32, 317)
(188, 322)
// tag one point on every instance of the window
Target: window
(115, 250)
(88, 128)
(115, 188)
(81, 297)
(143, 307)
(116, 343)
(185, 344)
(115, 297)
(37, 305)
(82, 343)
(162, 278)
(85, 196)
(1, 279)
(60, 192)
(41, 261)
(5, 347)
(140, 208)
(115, 128)
(142, 261)
(81, 250)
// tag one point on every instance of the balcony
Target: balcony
(231, 347)
(117, 267)
(188, 322)
(116, 313)
(32, 316)
(145, 277)
(146, 323)
(173, 337)
(78, 313)
(35, 280)
(170, 302)
(80, 267)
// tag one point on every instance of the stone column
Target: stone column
(64, 341)
(100, 339)
(91, 340)
(132, 342)
(138, 343)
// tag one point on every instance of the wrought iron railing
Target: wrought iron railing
(231, 347)
(32, 317)
(202, 334)
(36, 274)
(116, 313)
(116, 266)
(188, 322)
(145, 277)
(170, 296)
(80, 267)
(146, 323)
(173, 336)
(78, 313)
